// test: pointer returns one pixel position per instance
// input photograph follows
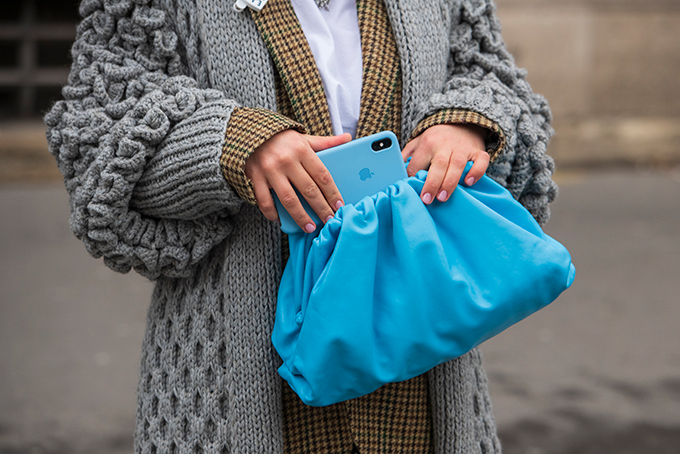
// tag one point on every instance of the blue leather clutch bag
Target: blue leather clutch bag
(390, 287)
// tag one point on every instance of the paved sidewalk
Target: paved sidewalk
(596, 372)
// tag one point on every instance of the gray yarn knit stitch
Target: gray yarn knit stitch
(138, 139)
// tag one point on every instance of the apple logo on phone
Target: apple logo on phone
(365, 174)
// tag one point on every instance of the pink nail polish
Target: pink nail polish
(309, 228)
(427, 198)
(442, 196)
(470, 181)
(339, 204)
(329, 218)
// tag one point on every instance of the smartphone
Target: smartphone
(360, 168)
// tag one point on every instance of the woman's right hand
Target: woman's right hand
(288, 159)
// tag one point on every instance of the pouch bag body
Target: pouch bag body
(390, 287)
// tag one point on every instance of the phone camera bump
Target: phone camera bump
(381, 144)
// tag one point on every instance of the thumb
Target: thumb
(319, 143)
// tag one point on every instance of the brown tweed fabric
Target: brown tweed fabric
(283, 105)
(249, 128)
(296, 66)
(312, 430)
(381, 86)
(393, 419)
(495, 140)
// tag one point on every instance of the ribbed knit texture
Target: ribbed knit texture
(138, 139)
(480, 75)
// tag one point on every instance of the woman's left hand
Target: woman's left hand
(445, 150)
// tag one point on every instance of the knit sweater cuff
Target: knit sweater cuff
(495, 139)
(248, 128)
(182, 180)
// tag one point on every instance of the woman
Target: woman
(178, 118)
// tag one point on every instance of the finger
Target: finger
(324, 181)
(265, 202)
(457, 164)
(313, 195)
(290, 201)
(435, 177)
(420, 160)
(410, 148)
(319, 143)
(453, 173)
(481, 163)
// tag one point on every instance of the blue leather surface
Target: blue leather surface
(391, 287)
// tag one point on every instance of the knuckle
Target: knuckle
(288, 199)
(449, 183)
(458, 161)
(324, 177)
(310, 191)
(268, 160)
(266, 206)
(428, 140)
(333, 196)
(286, 160)
(299, 146)
(267, 164)
(301, 218)
(440, 160)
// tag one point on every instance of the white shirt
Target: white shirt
(335, 40)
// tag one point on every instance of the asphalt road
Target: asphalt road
(598, 371)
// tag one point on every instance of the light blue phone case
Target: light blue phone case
(359, 168)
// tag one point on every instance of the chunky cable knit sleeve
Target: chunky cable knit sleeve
(139, 144)
(483, 78)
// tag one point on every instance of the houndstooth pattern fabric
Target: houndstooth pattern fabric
(248, 129)
(381, 90)
(315, 429)
(395, 418)
(495, 141)
(138, 138)
(401, 421)
(294, 61)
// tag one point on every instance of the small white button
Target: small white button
(256, 5)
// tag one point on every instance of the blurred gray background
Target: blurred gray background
(598, 371)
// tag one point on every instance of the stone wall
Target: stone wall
(610, 70)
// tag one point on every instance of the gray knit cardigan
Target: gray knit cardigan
(138, 138)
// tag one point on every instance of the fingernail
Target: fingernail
(427, 198)
(329, 218)
(309, 228)
(339, 204)
(442, 196)
(470, 181)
